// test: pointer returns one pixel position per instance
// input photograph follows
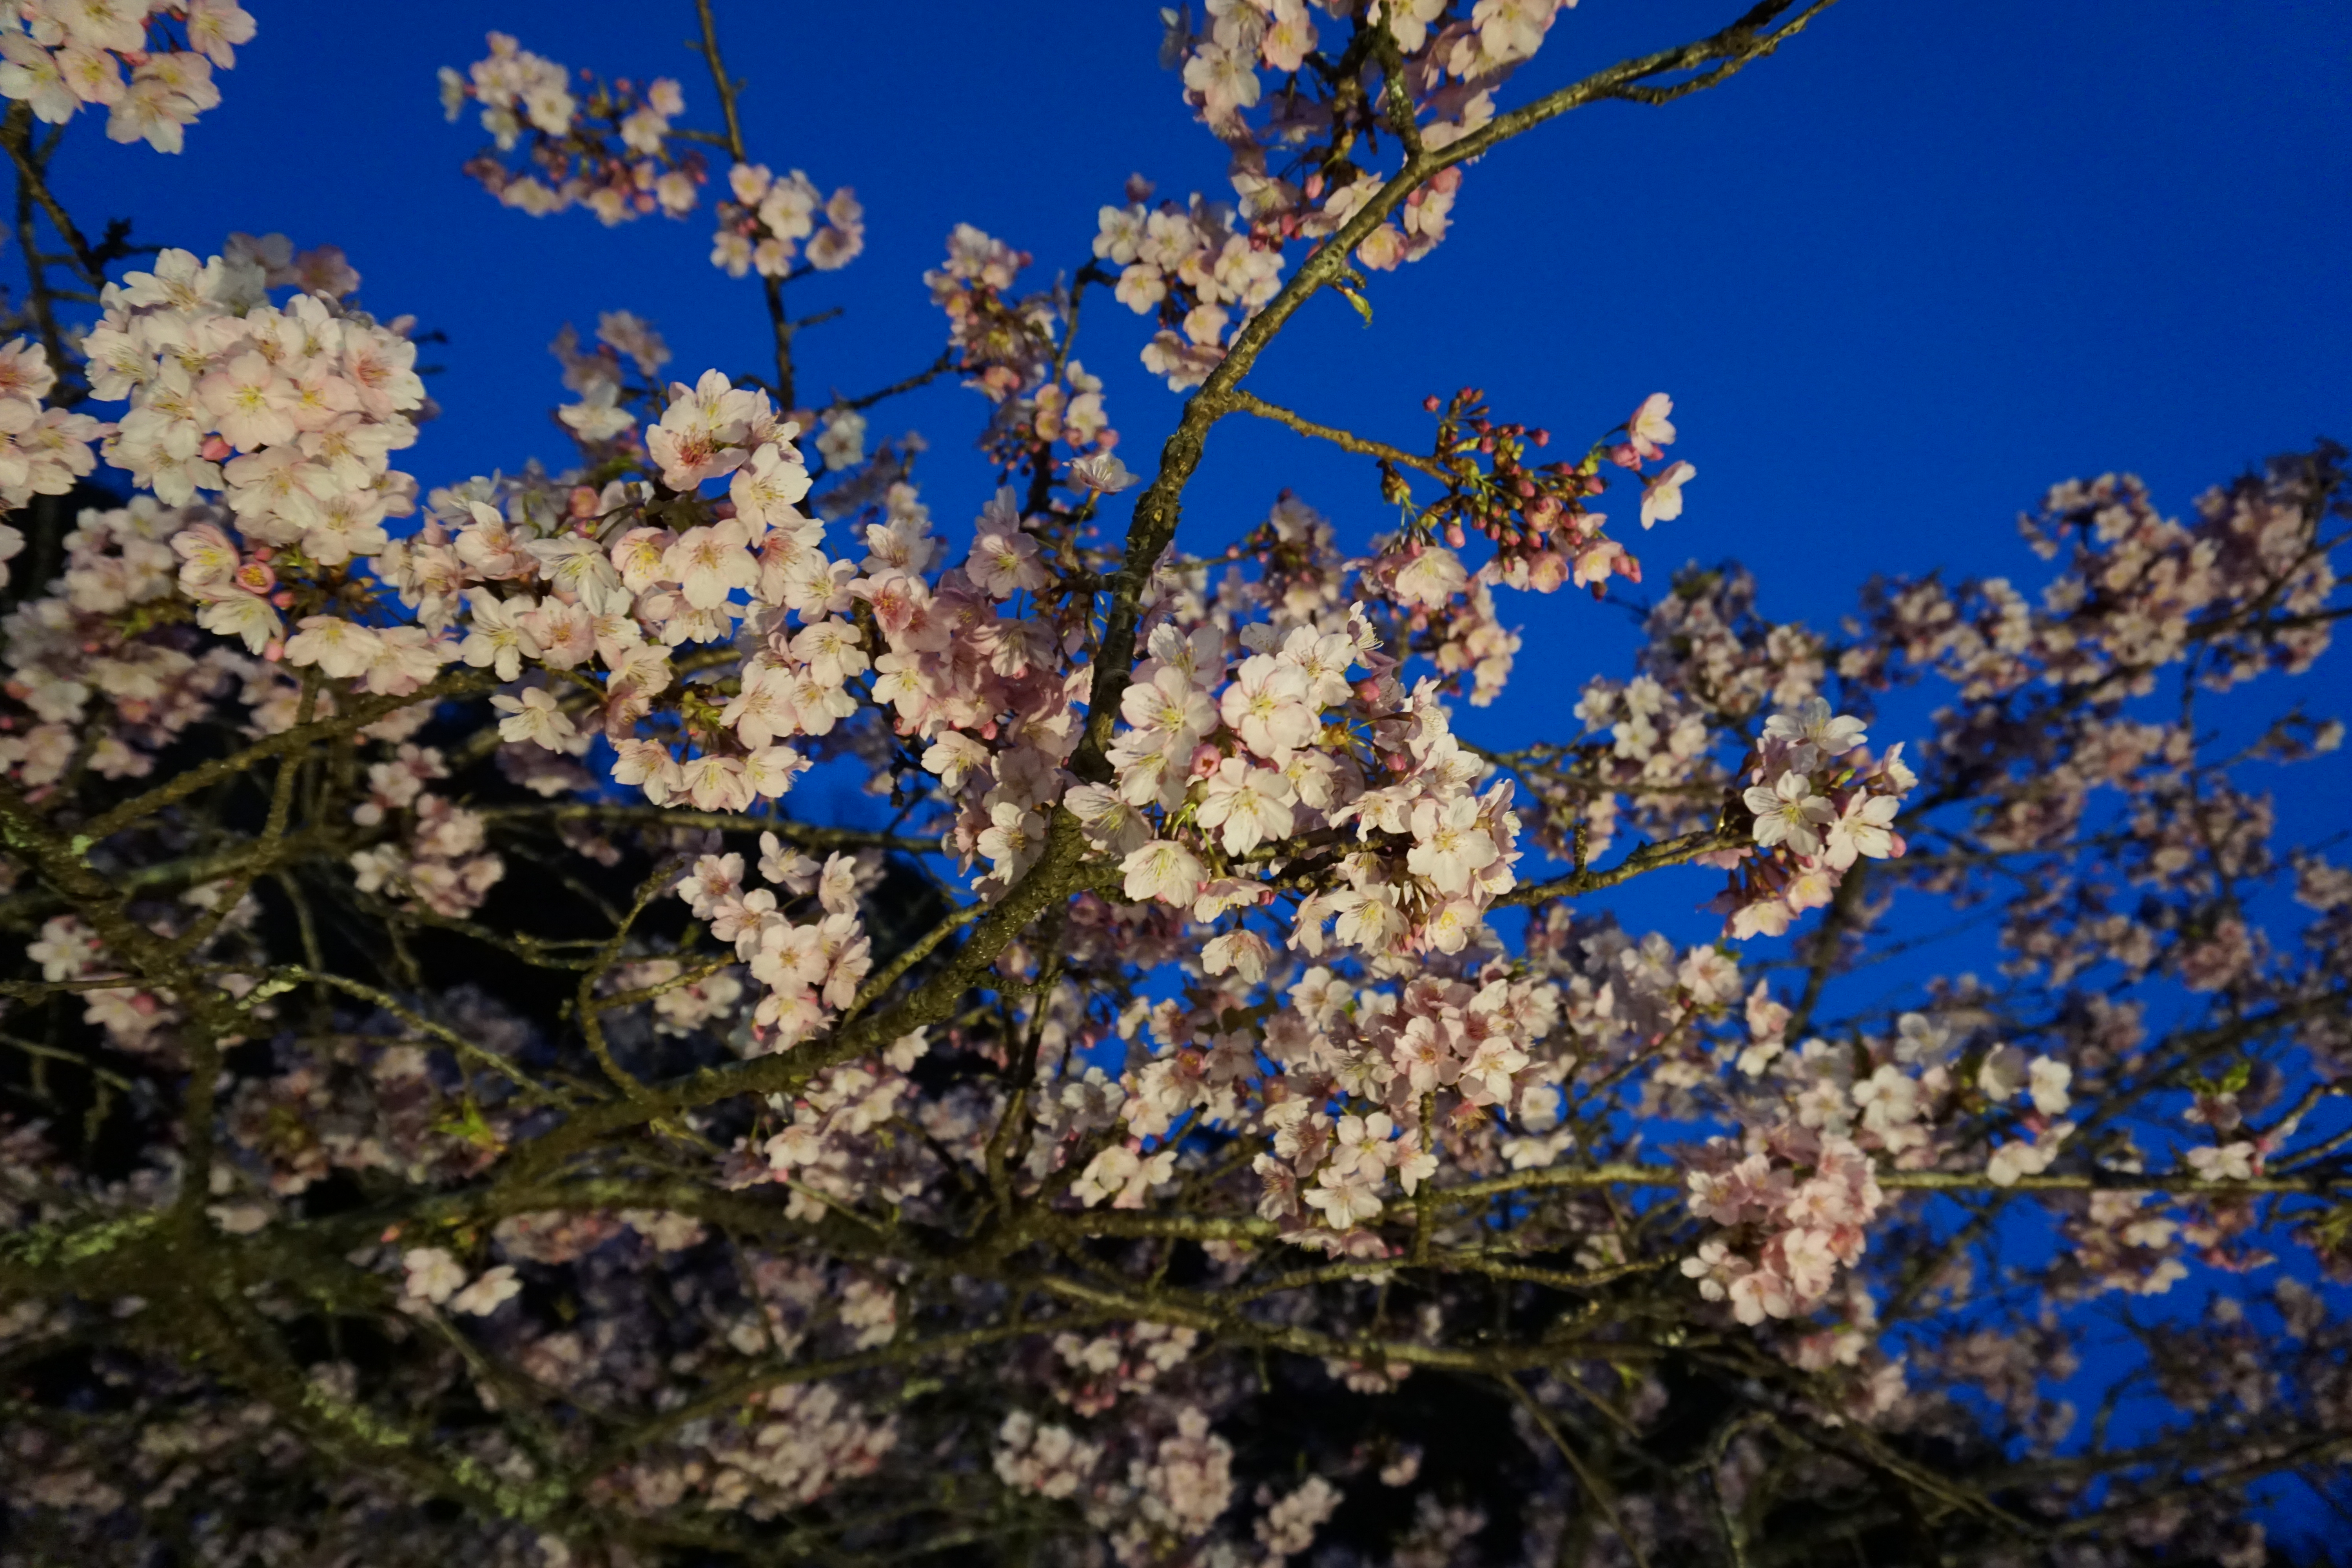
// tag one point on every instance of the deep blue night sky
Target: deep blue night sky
(1898, 279)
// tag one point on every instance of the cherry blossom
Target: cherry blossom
(604, 1007)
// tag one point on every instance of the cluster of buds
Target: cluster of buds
(1534, 514)
(1525, 508)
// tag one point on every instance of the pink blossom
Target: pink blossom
(1863, 828)
(1451, 843)
(1814, 731)
(1252, 805)
(532, 715)
(338, 648)
(1102, 473)
(1649, 429)
(711, 562)
(1268, 706)
(1006, 562)
(1790, 813)
(489, 1293)
(1162, 869)
(1661, 496)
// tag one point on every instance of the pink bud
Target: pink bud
(214, 449)
(275, 650)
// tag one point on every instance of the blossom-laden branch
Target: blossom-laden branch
(675, 1011)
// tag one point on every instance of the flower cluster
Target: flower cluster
(1197, 269)
(42, 451)
(133, 1019)
(59, 56)
(565, 583)
(99, 690)
(810, 971)
(1300, 153)
(1813, 816)
(1014, 353)
(1795, 1206)
(1176, 1485)
(441, 862)
(607, 149)
(771, 219)
(291, 412)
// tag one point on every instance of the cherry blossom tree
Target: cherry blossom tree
(1191, 1105)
